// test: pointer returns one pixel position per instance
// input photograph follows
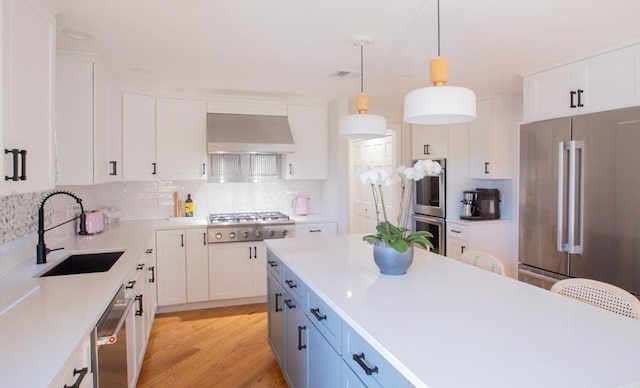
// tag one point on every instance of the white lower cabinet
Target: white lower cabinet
(237, 270)
(487, 236)
(182, 266)
(77, 371)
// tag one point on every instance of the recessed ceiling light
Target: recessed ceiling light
(77, 34)
(139, 71)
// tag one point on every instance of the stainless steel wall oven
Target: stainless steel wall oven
(431, 193)
(435, 226)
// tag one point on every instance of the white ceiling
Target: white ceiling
(291, 48)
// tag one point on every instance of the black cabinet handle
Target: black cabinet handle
(23, 154)
(153, 168)
(291, 283)
(289, 303)
(153, 274)
(140, 267)
(139, 310)
(316, 313)
(486, 167)
(182, 240)
(114, 168)
(204, 238)
(255, 252)
(315, 230)
(204, 171)
(250, 254)
(571, 95)
(277, 295)
(272, 263)
(580, 91)
(462, 249)
(359, 358)
(131, 284)
(14, 159)
(456, 231)
(81, 372)
(425, 149)
(290, 168)
(149, 251)
(300, 330)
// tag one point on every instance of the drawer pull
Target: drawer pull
(82, 372)
(291, 283)
(316, 313)
(153, 274)
(149, 251)
(272, 263)
(289, 303)
(140, 267)
(139, 310)
(456, 231)
(300, 330)
(131, 284)
(277, 295)
(315, 230)
(359, 358)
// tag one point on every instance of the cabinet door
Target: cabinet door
(74, 119)
(138, 137)
(296, 342)
(324, 362)
(275, 313)
(197, 265)
(429, 141)
(140, 322)
(310, 136)
(547, 94)
(28, 48)
(455, 248)
(181, 139)
(171, 271)
(610, 80)
(259, 269)
(230, 270)
(108, 127)
(150, 291)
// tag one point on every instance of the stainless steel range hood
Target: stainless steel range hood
(243, 133)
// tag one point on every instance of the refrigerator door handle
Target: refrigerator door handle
(560, 246)
(576, 175)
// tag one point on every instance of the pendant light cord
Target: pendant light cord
(361, 68)
(438, 27)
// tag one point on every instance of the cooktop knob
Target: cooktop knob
(272, 233)
(218, 235)
(285, 232)
(232, 235)
(245, 234)
(258, 233)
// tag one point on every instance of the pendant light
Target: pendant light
(439, 104)
(362, 125)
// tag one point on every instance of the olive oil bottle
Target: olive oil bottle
(188, 206)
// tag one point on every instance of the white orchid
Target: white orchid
(379, 176)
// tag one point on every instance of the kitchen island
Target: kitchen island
(447, 324)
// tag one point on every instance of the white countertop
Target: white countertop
(40, 328)
(447, 324)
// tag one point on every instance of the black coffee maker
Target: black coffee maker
(481, 204)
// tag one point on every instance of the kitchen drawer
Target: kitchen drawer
(458, 231)
(367, 363)
(319, 229)
(294, 286)
(274, 266)
(326, 320)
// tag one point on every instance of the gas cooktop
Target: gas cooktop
(254, 226)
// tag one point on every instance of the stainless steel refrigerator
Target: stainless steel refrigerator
(579, 199)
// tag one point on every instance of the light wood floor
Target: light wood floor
(222, 347)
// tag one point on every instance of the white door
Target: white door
(379, 152)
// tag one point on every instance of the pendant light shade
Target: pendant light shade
(439, 104)
(362, 125)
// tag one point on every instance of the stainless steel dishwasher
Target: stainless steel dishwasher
(110, 343)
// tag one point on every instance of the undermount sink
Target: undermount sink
(84, 263)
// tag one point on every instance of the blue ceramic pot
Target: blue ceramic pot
(390, 261)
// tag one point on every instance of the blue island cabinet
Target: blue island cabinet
(305, 356)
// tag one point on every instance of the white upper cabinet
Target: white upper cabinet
(138, 137)
(429, 141)
(310, 136)
(181, 127)
(490, 136)
(88, 132)
(599, 83)
(28, 56)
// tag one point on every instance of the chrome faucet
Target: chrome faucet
(41, 248)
